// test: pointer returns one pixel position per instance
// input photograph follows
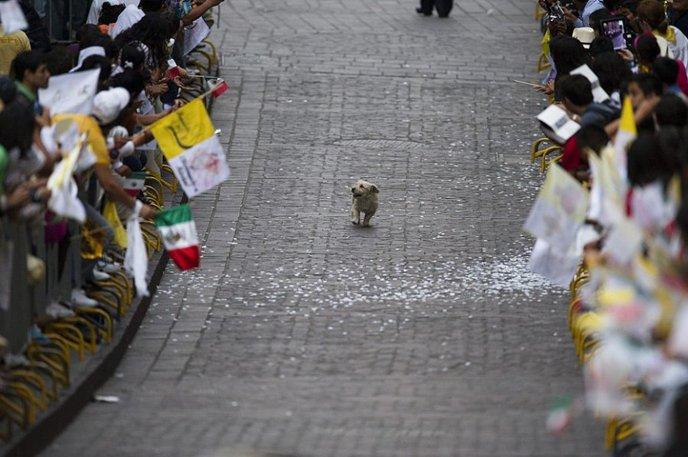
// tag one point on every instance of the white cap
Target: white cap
(585, 35)
(109, 103)
(86, 53)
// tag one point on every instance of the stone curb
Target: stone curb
(57, 418)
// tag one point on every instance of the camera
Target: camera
(556, 12)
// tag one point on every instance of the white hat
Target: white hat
(585, 35)
(109, 103)
(86, 53)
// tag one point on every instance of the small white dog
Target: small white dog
(364, 201)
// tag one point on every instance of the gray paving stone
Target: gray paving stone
(304, 336)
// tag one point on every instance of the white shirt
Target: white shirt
(130, 16)
(97, 6)
(590, 7)
(680, 48)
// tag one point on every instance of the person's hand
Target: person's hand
(147, 136)
(178, 103)
(43, 119)
(556, 27)
(148, 212)
(19, 196)
(569, 15)
(120, 141)
(214, 2)
(547, 89)
(626, 55)
(156, 89)
(646, 107)
(124, 171)
(179, 82)
(41, 194)
(37, 183)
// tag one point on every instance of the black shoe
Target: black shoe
(443, 15)
(425, 13)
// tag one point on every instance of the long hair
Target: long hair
(652, 12)
(153, 30)
(568, 54)
(17, 122)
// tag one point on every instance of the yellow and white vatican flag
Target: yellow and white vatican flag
(625, 136)
(188, 141)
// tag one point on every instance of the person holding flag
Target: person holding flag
(107, 106)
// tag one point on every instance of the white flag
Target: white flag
(201, 167)
(607, 197)
(194, 34)
(559, 210)
(623, 242)
(71, 92)
(561, 126)
(12, 17)
(63, 198)
(136, 257)
(599, 94)
(678, 340)
(652, 211)
(552, 264)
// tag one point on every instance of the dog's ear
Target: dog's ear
(375, 189)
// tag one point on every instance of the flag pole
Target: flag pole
(203, 95)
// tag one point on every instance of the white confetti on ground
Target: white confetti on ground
(407, 284)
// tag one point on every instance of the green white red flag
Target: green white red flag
(178, 231)
(220, 88)
(134, 183)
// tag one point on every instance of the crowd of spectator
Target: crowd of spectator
(617, 68)
(139, 51)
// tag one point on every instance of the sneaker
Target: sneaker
(36, 334)
(79, 298)
(57, 311)
(108, 266)
(16, 360)
(100, 275)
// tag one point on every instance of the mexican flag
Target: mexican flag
(220, 88)
(134, 183)
(178, 231)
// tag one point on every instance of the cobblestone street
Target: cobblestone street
(302, 335)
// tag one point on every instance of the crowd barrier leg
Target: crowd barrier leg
(16, 320)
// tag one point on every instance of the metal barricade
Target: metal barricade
(20, 299)
(63, 17)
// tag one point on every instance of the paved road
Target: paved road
(305, 336)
